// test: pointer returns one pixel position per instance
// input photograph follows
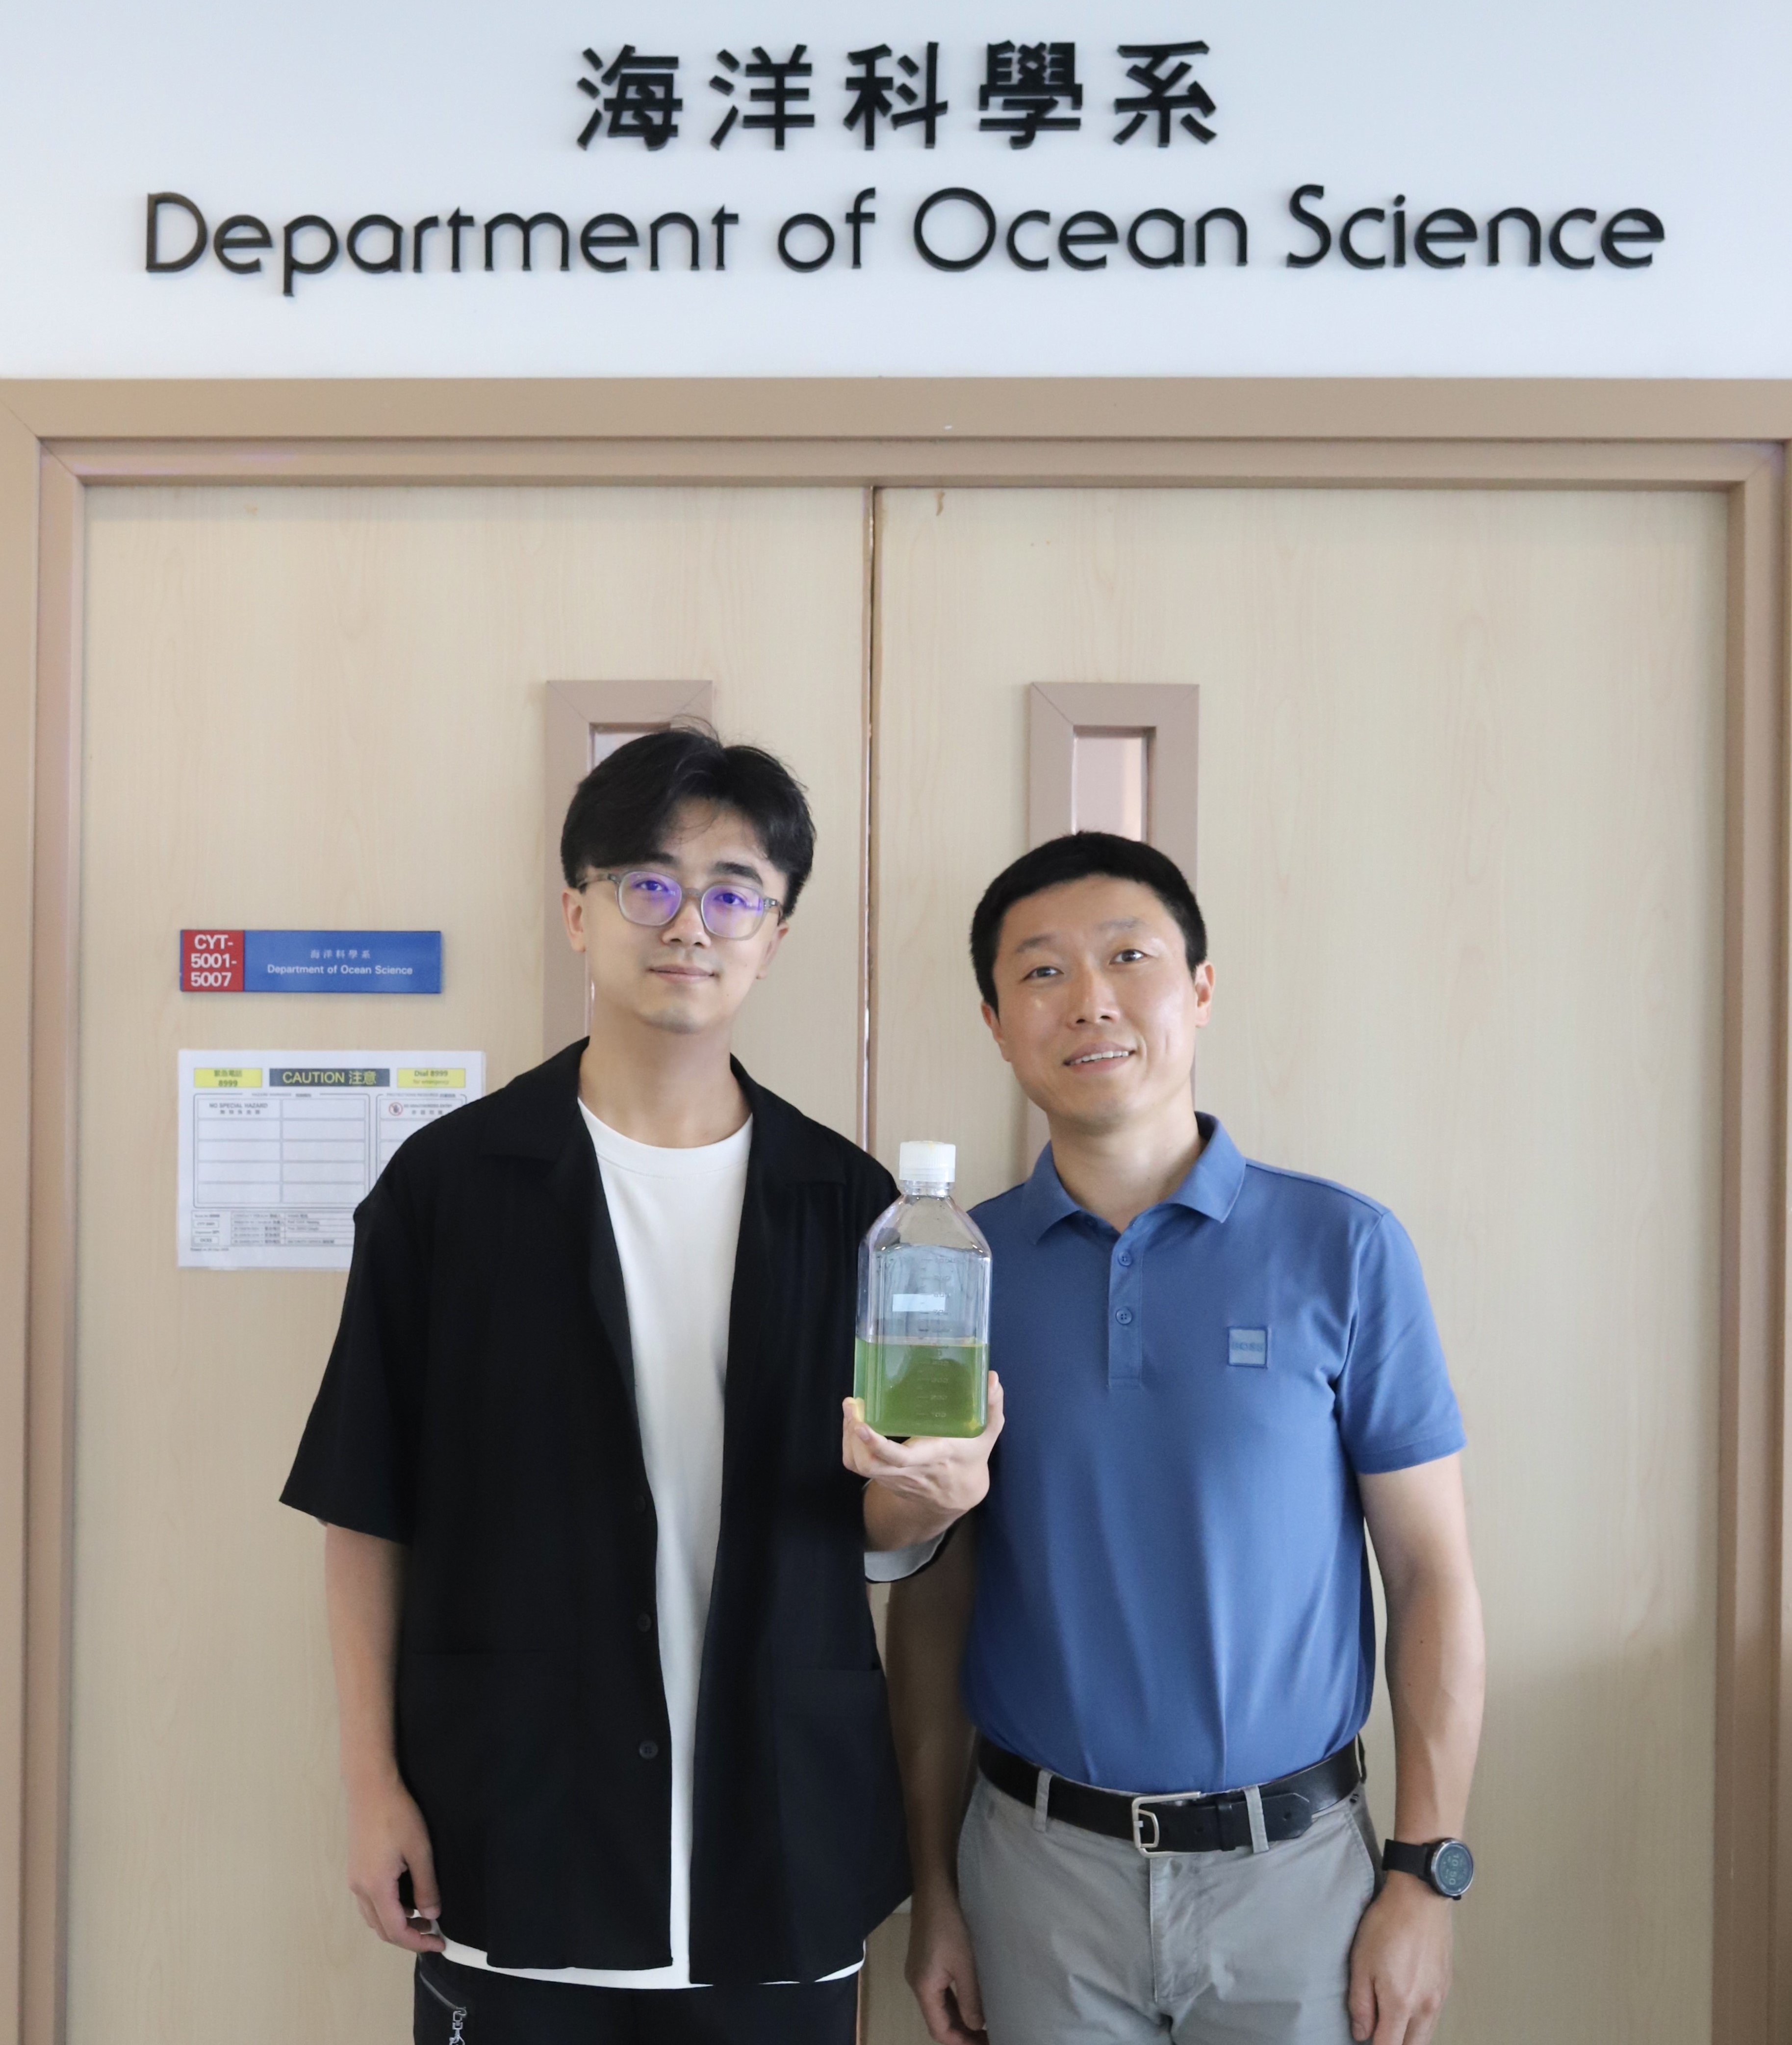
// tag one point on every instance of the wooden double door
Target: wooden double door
(1460, 821)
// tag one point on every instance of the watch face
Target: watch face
(1452, 1868)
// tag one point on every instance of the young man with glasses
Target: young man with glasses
(1220, 1370)
(614, 1735)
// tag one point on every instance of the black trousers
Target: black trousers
(454, 2005)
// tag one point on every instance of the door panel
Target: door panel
(1460, 849)
(322, 707)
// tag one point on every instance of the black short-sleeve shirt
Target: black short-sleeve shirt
(478, 1407)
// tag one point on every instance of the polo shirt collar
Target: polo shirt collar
(1211, 1187)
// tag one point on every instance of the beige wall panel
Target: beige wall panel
(1460, 832)
(323, 708)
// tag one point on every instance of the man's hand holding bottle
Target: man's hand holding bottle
(918, 1487)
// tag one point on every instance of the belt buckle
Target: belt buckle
(1142, 1815)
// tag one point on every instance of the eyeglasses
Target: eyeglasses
(654, 900)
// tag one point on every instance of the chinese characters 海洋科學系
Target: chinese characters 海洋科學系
(642, 104)
(872, 91)
(1164, 94)
(774, 101)
(1030, 82)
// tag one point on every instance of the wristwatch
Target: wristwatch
(1447, 1864)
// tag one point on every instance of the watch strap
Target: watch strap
(1401, 1857)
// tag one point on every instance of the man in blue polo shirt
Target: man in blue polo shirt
(1216, 1371)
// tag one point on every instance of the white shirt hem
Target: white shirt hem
(647, 1977)
(890, 1565)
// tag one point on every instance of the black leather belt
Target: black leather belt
(1184, 1823)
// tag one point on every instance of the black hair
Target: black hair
(622, 808)
(1081, 857)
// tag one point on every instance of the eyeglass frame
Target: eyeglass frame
(700, 894)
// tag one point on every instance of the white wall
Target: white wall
(345, 107)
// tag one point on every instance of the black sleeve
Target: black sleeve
(356, 1465)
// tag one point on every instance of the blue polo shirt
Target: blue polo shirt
(1173, 1585)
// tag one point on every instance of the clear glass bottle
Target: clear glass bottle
(922, 1357)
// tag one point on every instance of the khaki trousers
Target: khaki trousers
(1082, 1940)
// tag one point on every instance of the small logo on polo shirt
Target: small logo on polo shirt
(1248, 1349)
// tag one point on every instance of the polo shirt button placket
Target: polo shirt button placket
(1125, 1346)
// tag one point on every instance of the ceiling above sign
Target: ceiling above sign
(717, 189)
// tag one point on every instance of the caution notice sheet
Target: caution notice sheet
(279, 1148)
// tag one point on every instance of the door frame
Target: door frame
(57, 440)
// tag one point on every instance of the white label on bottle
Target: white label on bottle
(919, 1303)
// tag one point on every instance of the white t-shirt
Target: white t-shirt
(676, 1216)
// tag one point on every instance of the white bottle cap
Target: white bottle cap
(927, 1164)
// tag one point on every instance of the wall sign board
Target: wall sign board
(279, 1148)
(310, 961)
(706, 188)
